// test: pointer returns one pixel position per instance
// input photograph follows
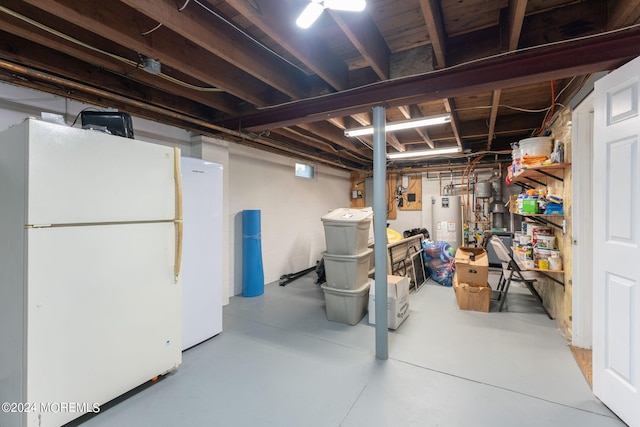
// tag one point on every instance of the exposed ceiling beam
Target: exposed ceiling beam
(515, 18)
(551, 62)
(201, 26)
(622, 13)
(365, 36)
(517, 9)
(495, 101)
(82, 92)
(304, 45)
(521, 123)
(60, 64)
(277, 147)
(577, 19)
(335, 135)
(121, 67)
(433, 18)
(412, 112)
(364, 119)
(392, 140)
(175, 52)
(267, 15)
(450, 106)
(296, 137)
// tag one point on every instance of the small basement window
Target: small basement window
(304, 170)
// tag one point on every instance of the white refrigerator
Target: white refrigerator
(201, 276)
(90, 302)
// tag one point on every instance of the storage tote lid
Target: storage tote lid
(349, 215)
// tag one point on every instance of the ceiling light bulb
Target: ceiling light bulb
(417, 123)
(346, 5)
(423, 153)
(309, 15)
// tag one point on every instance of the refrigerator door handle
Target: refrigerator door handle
(178, 261)
(179, 224)
(177, 174)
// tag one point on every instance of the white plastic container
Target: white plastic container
(555, 263)
(540, 146)
(516, 157)
(546, 241)
(347, 271)
(346, 306)
(347, 231)
(525, 239)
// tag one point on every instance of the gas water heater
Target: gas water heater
(446, 212)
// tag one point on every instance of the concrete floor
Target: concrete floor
(280, 362)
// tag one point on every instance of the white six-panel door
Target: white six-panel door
(616, 242)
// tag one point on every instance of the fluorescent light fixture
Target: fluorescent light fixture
(310, 14)
(404, 124)
(423, 153)
(346, 5)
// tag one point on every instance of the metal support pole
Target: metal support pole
(380, 230)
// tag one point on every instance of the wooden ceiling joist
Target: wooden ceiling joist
(556, 61)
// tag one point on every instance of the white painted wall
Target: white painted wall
(291, 210)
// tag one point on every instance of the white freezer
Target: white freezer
(201, 276)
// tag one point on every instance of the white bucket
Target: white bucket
(546, 241)
(555, 263)
(525, 239)
(540, 146)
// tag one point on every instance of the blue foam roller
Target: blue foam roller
(252, 270)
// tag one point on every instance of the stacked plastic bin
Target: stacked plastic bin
(346, 264)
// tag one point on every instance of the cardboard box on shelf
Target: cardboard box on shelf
(472, 265)
(397, 301)
(472, 296)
